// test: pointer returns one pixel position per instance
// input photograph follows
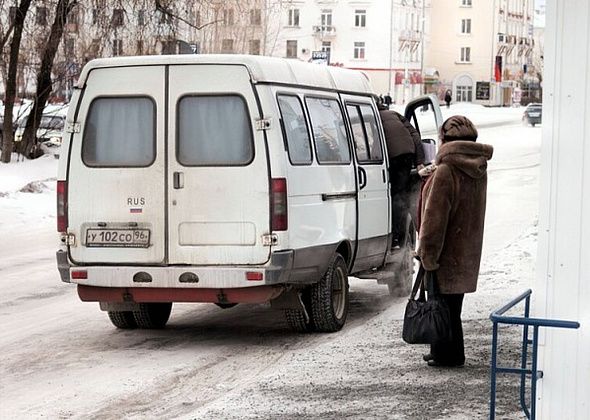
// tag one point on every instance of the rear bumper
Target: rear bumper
(277, 271)
(258, 294)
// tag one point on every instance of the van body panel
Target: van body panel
(117, 197)
(218, 212)
(321, 197)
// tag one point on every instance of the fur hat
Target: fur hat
(458, 127)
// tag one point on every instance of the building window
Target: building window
(141, 17)
(70, 45)
(464, 88)
(227, 45)
(255, 17)
(254, 47)
(228, 17)
(466, 3)
(291, 49)
(72, 18)
(359, 50)
(464, 93)
(95, 15)
(12, 14)
(327, 48)
(360, 18)
(466, 54)
(465, 26)
(117, 47)
(165, 18)
(293, 17)
(118, 18)
(168, 47)
(41, 17)
(326, 18)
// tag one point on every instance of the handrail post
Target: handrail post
(523, 361)
(493, 371)
(534, 373)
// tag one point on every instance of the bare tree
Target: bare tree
(10, 93)
(44, 84)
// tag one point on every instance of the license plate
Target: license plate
(118, 238)
(534, 114)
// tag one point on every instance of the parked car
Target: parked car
(50, 131)
(533, 114)
(225, 179)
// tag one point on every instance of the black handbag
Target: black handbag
(426, 321)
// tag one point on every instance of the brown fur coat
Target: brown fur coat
(453, 212)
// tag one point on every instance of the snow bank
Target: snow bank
(15, 175)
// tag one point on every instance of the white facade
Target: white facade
(381, 38)
(466, 41)
(563, 280)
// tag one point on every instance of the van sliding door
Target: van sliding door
(373, 189)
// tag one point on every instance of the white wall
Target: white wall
(563, 279)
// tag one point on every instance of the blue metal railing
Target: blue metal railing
(498, 317)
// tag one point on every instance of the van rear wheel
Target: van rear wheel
(123, 319)
(152, 315)
(298, 319)
(329, 297)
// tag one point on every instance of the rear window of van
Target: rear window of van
(214, 131)
(120, 132)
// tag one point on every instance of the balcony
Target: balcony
(324, 31)
(408, 35)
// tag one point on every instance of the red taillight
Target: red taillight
(254, 276)
(62, 206)
(80, 274)
(278, 204)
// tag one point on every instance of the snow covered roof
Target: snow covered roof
(261, 69)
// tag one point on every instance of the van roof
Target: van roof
(261, 69)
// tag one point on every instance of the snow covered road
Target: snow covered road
(61, 358)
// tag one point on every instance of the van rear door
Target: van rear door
(116, 168)
(218, 208)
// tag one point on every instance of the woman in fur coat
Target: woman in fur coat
(453, 205)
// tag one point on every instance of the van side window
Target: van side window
(365, 133)
(329, 133)
(214, 131)
(120, 132)
(358, 133)
(295, 126)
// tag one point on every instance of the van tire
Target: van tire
(152, 315)
(329, 297)
(123, 319)
(298, 319)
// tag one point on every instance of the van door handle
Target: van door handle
(178, 180)
(362, 178)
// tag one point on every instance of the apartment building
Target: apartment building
(384, 39)
(481, 50)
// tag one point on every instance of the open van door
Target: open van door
(425, 115)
